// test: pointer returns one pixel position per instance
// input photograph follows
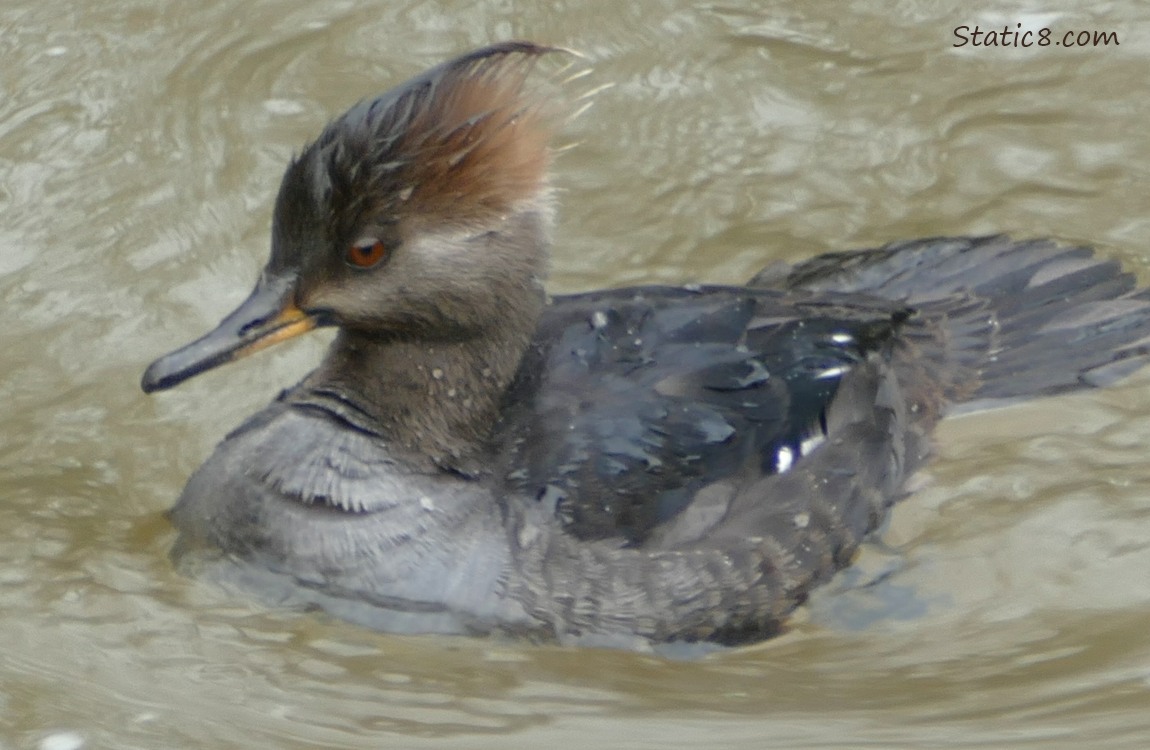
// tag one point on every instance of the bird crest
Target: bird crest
(461, 143)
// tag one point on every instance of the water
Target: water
(140, 148)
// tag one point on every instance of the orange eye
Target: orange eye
(366, 254)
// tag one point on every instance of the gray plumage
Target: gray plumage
(624, 466)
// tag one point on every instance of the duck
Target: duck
(626, 467)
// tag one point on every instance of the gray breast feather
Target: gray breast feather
(318, 462)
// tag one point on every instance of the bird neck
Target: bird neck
(434, 401)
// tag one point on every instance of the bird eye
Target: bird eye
(366, 253)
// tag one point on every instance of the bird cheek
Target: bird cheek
(328, 299)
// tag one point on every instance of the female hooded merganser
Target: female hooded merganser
(628, 466)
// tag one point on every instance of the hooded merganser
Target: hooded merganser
(627, 466)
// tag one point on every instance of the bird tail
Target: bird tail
(1003, 320)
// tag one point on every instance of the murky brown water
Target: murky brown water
(140, 147)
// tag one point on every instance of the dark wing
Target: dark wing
(631, 402)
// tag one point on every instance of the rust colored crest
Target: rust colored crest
(460, 143)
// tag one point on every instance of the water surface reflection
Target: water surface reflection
(140, 147)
